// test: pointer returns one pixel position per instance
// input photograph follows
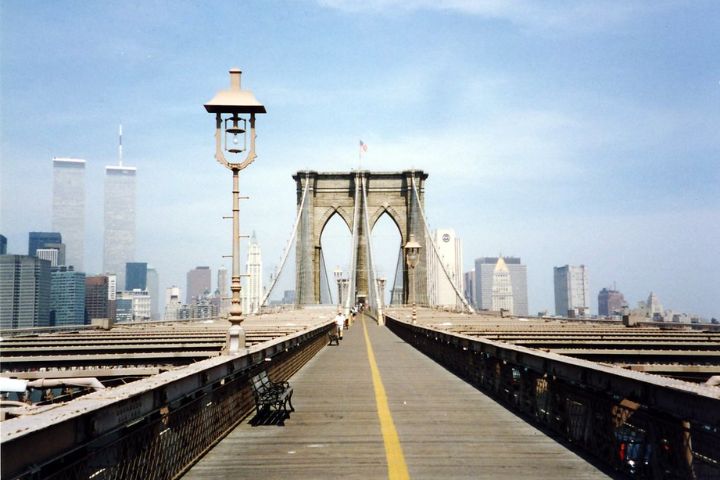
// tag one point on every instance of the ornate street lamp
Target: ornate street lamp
(231, 108)
(412, 249)
(338, 278)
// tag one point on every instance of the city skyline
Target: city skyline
(584, 142)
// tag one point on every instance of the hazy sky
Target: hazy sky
(557, 131)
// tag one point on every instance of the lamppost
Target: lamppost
(231, 137)
(412, 248)
(338, 278)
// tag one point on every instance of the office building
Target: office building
(610, 302)
(198, 284)
(68, 213)
(49, 254)
(119, 236)
(501, 299)
(124, 307)
(654, 307)
(469, 287)
(485, 276)
(172, 303)
(97, 298)
(135, 276)
(153, 288)
(252, 292)
(3, 245)
(24, 292)
(67, 297)
(141, 305)
(571, 291)
(445, 269)
(42, 240)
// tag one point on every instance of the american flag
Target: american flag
(363, 146)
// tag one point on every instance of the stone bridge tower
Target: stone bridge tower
(334, 192)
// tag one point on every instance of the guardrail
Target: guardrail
(635, 424)
(155, 428)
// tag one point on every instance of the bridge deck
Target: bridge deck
(446, 428)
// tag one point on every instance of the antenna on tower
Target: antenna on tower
(120, 146)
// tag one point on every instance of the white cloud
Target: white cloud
(558, 15)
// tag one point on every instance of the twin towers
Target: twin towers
(335, 193)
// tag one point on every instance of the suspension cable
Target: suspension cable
(371, 264)
(289, 244)
(432, 242)
(355, 240)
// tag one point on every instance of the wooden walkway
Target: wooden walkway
(446, 428)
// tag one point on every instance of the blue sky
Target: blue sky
(559, 131)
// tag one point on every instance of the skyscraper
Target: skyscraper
(49, 254)
(24, 292)
(153, 288)
(253, 292)
(3, 245)
(198, 283)
(610, 302)
(67, 297)
(68, 216)
(502, 292)
(135, 276)
(440, 289)
(571, 291)
(485, 278)
(42, 240)
(469, 287)
(119, 239)
(97, 297)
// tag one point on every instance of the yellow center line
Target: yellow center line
(397, 469)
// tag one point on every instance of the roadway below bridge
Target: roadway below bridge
(375, 407)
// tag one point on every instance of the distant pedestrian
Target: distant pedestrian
(340, 324)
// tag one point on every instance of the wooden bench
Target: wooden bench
(268, 394)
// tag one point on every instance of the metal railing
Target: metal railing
(155, 428)
(633, 424)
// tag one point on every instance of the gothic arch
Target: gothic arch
(333, 193)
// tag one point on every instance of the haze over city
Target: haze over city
(563, 133)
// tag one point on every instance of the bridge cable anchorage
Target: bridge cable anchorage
(278, 271)
(435, 250)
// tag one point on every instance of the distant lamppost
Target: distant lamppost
(338, 278)
(231, 108)
(412, 248)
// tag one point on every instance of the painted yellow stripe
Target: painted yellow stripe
(397, 469)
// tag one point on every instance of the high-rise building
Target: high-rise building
(97, 298)
(3, 245)
(571, 291)
(222, 290)
(119, 238)
(610, 302)
(68, 217)
(141, 305)
(172, 303)
(198, 284)
(469, 287)
(502, 292)
(124, 307)
(67, 297)
(440, 288)
(485, 277)
(42, 240)
(153, 288)
(252, 293)
(135, 276)
(654, 307)
(24, 292)
(49, 254)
